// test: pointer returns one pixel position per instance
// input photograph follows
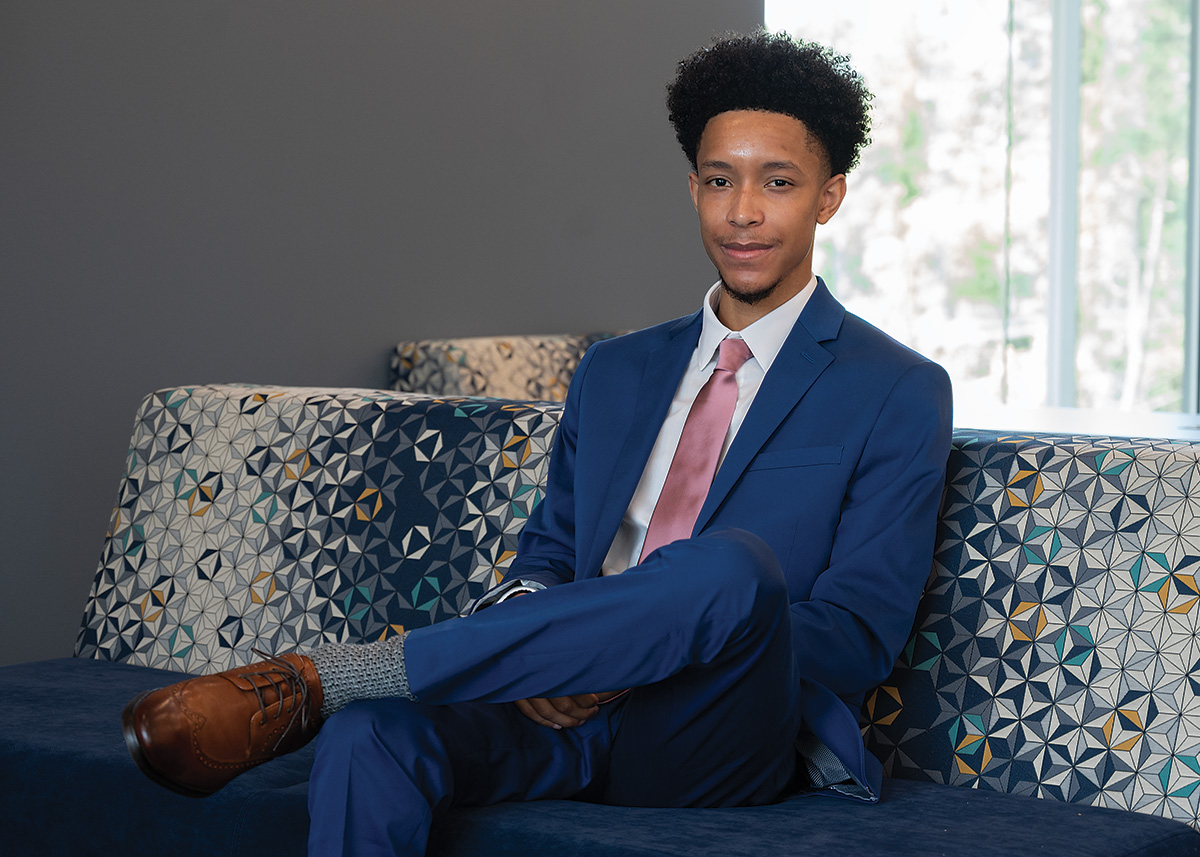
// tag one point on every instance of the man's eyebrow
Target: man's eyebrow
(769, 166)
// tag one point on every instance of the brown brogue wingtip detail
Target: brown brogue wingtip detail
(133, 744)
(198, 734)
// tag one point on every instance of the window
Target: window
(1024, 213)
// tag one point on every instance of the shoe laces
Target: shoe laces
(285, 679)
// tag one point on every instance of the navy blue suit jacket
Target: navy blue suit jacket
(839, 466)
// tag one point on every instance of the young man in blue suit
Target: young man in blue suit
(665, 636)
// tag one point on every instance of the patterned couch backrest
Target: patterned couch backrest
(1055, 651)
(277, 518)
(535, 368)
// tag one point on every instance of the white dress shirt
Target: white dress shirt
(764, 337)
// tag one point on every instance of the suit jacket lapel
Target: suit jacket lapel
(660, 377)
(799, 363)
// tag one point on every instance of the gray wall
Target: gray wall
(278, 191)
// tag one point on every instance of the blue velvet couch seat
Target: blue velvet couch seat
(70, 789)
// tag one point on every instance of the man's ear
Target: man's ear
(694, 187)
(832, 195)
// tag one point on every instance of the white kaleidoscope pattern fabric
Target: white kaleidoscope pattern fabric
(1055, 651)
(280, 518)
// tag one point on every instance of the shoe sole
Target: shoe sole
(134, 745)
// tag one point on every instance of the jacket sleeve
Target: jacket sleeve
(850, 629)
(546, 549)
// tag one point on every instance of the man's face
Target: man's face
(761, 187)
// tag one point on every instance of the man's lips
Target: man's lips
(744, 252)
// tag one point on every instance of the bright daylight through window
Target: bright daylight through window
(1022, 215)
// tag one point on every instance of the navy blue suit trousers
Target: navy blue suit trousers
(700, 631)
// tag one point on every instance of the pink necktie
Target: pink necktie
(695, 462)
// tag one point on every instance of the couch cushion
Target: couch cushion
(1055, 647)
(912, 819)
(68, 787)
(508, 367)
(280, 518)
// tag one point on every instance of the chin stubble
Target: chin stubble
(748, 298)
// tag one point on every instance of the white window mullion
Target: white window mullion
(1063, 314)
(1191, 301)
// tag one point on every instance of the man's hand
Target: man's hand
(560, 711)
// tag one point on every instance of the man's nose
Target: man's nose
(745, 209)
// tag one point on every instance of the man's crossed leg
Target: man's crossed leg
(700, 632)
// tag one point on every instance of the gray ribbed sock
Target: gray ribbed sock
(350, 671)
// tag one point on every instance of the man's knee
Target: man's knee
(742, 559)
(731, 566)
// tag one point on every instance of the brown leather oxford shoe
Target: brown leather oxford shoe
(195, 736)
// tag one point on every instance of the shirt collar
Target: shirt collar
(764, 337)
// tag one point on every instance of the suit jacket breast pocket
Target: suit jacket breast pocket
(802, 457)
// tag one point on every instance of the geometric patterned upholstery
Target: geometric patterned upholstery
(1055, 651)
(283, 517)
(533, 368)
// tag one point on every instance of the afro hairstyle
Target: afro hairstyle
(775, 73)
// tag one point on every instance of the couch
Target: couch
(1045, 703)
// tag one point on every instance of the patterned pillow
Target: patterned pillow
(510, 367)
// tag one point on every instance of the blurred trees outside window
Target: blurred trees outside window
(944, 240)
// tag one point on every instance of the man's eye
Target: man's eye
(719, 182)
(779, 183)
